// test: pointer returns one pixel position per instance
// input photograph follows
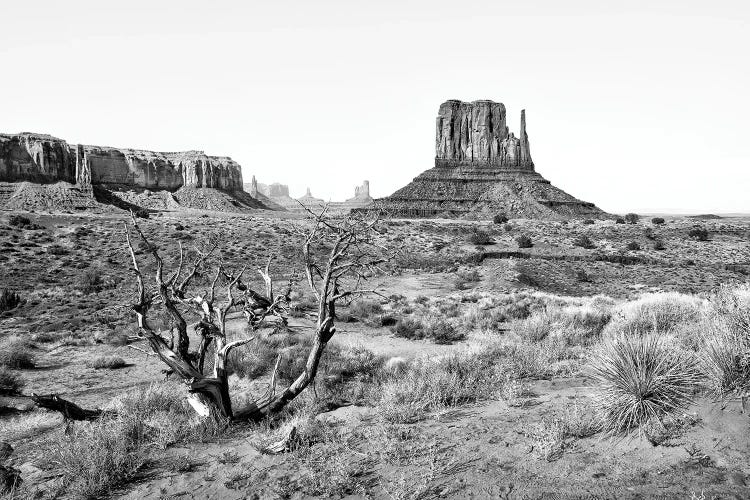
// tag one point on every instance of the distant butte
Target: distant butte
(482, 169)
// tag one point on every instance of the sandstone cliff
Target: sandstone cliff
(481, 169)
(44, 159)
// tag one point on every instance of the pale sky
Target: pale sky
(637, 105)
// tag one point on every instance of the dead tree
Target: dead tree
(352, 259)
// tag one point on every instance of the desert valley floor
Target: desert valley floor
(468, 375)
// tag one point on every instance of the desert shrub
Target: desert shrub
(581, 420)
(464, 277)
(535, 328)
(632, 218)
(583, 241)
(108, 362)
(640, 378)
(548, 438)
(588, 222)
(363, 309)
(659, 245)
(500, 219)
(649, 233)
(524, 241)
(20, 221)
(657, 220)
(408, 328)
(142, 213)
(10, 382)
(9, 300)
(480, 237)
(433, 385)
(726, 342)
(574, 324)
(90, 281)
(633, 246)
(619, 220)
(57, 250)
(656, 313)
(16, 353)
(94, 458)
(441, 331)
(582, 276)
(699, 233)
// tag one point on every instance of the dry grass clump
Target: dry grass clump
(434, 385)
(656, 313)
(10, 382)
(9, 300)
(96, 457)
(576, 325)
(641, 378)
(490, 312)
(725, 343)
(108, 362)
(16, 353)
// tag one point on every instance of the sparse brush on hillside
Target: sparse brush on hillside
(699, 234)
(10, 382)
(576, 325)
(524, 241)
(583, 241)
(656, 313)
(640, 378)
(480, 237)
(632, 218)
(16, 353)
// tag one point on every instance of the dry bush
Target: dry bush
(16, 353)
(364, 309)
(641, 378)
(409, 328)
(108, 362)
(583, 241)
(440, 330)
(480, 237)
(548, 438)
(96, 457)
(465, 277)
(434, 385)
(633, 246)
(725, 343)
(10, 382)
(576, 325)
(524, 241)
(656, 313)
(9, 300)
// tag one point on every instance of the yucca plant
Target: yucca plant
(641, 378)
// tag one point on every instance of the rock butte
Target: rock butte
(482, 169)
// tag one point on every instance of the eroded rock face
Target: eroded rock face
(42, 159)
(476, 133)
(35, 158)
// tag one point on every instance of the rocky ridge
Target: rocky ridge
(482, 169)
(42, 171)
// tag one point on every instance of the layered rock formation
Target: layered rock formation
(361, 198)
(481, 169)
(311, 202)
(44, 159)
(41, 171)
(276, 196)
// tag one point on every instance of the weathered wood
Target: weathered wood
(69, 410)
